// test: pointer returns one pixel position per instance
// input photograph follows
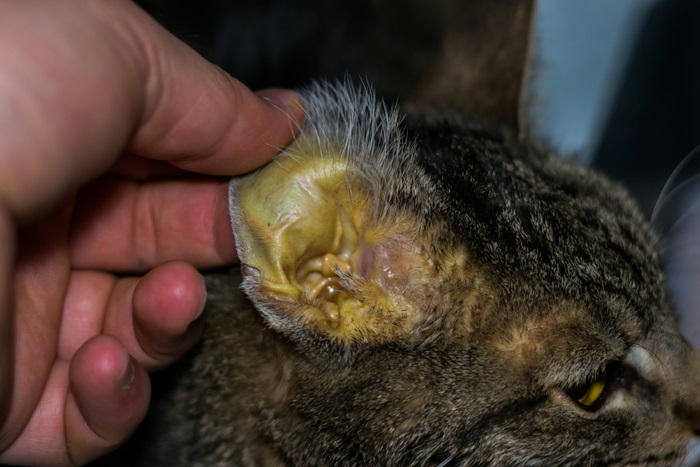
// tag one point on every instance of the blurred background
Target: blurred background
(620, 82)
(620, 85)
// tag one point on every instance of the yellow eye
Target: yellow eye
(592, 394)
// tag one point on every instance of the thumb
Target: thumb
(200, 118)
(144, 91)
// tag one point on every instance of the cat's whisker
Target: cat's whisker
(446, 462)
(684, 189)
(684, 230)
(667, 190)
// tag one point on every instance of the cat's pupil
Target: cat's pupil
(593, 393)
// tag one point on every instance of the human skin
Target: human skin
(115, 139)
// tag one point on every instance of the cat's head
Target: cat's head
(455, 294)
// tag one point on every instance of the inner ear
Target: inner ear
(314, 256)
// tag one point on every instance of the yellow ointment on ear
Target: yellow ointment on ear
(290, 213)
(303, 229)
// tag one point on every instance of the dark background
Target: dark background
(655, 116)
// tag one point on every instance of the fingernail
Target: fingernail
(127, 376)
(284, 98)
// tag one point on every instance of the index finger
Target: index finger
(121, 225)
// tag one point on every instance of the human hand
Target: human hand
(94, 89)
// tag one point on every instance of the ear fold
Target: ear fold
(314, 260)
(484, 61)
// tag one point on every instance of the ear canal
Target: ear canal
(320, 275)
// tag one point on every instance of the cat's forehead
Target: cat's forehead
(537, 225)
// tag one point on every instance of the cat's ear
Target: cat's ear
(484, 61)
(317, 262)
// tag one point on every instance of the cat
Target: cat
(426, 286)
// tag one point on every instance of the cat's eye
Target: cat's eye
(591, 392)
(591, 395)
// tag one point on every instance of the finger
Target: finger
(83, 310)
(200, 118)
(159, 316)
(108, 398)
(144, 89)
(121, 225)
(168, 311)
(246, 130)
